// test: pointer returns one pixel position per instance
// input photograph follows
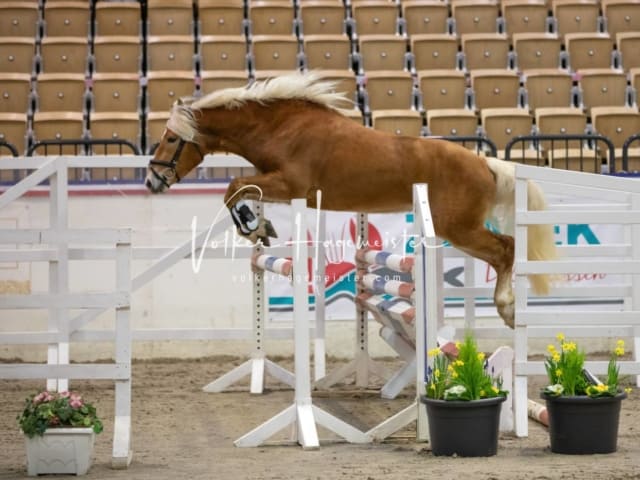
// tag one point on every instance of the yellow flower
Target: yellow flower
(458, 363)
(458, 344)
(433, 352)
(450, 368)
(483, 393)
(437, 373)
(454, 374)
(551, 348)
(602, 387)
(558, 373)
(620, 343)
(432, 386)
(628, 390)
(556, 357)
(569, 346)
(495, 389)
(619, 351)
(481, 356)
(560, 337)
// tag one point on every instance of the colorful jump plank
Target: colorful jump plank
(399, 263)
(378, 285)
(396, 313)
(281, 266)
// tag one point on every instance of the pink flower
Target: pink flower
(65, 394)
(75, 401)
(42, 397)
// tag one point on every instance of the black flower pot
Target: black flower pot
(466, 429)
(583, 425)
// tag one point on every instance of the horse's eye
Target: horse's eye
(172, 139)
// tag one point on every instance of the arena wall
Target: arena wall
(218, 296)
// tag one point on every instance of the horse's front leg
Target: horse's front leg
(268, 187)
(498, 251)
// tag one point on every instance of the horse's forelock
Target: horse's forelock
(183, 122)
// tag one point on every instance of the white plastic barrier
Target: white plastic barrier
(54, 245)
(614, 201)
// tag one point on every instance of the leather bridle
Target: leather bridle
(173, 163)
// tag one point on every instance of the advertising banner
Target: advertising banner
(392, 232)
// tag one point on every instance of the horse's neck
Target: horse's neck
(249, 131)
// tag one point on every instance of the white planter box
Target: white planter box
(60, 450)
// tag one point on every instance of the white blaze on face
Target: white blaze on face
(151, 181)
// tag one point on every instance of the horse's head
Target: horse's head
(177, 153)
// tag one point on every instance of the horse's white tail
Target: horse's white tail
(540, 238)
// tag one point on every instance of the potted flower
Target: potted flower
(463, 402)
(59, 429)
(583, 411)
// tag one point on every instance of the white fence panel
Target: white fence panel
(621, 260)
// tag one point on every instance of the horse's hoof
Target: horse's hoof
(507, 313)
(269, 230)
(264, 231)
(264, 241)
(261, 234)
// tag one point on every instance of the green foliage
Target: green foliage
(57, 410)
(565, 371)
(439, 376)
(465, 378)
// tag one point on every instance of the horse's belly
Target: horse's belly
(367, 196)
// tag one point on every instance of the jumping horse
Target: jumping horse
(291, 129)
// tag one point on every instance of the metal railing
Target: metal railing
(625, 150)
(533, 150)
(85, 146)
(92, 146)
(480, 142)
(9, 146)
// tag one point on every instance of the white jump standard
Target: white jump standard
(258, 365)
(302, 413)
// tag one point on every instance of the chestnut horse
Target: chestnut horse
(291, 129)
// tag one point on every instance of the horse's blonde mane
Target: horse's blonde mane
(296, 86)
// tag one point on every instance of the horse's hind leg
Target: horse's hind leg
(269, 187)
(498, 251)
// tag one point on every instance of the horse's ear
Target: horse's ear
(180, 102)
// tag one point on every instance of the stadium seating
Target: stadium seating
(536, 50)
(72, 68)
(19, 19)
(443, 89)
(118, 18)
(452, 122)
(434, 51)
(425, 17)
(475, 16)
(221, 17)
(548, 88)
(15, 92)
(524, 16)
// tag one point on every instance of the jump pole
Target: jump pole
(427, 301)
(302, 414)
(362, 364)
(258, 366)
(319, 286)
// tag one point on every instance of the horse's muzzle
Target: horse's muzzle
(154, 185)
